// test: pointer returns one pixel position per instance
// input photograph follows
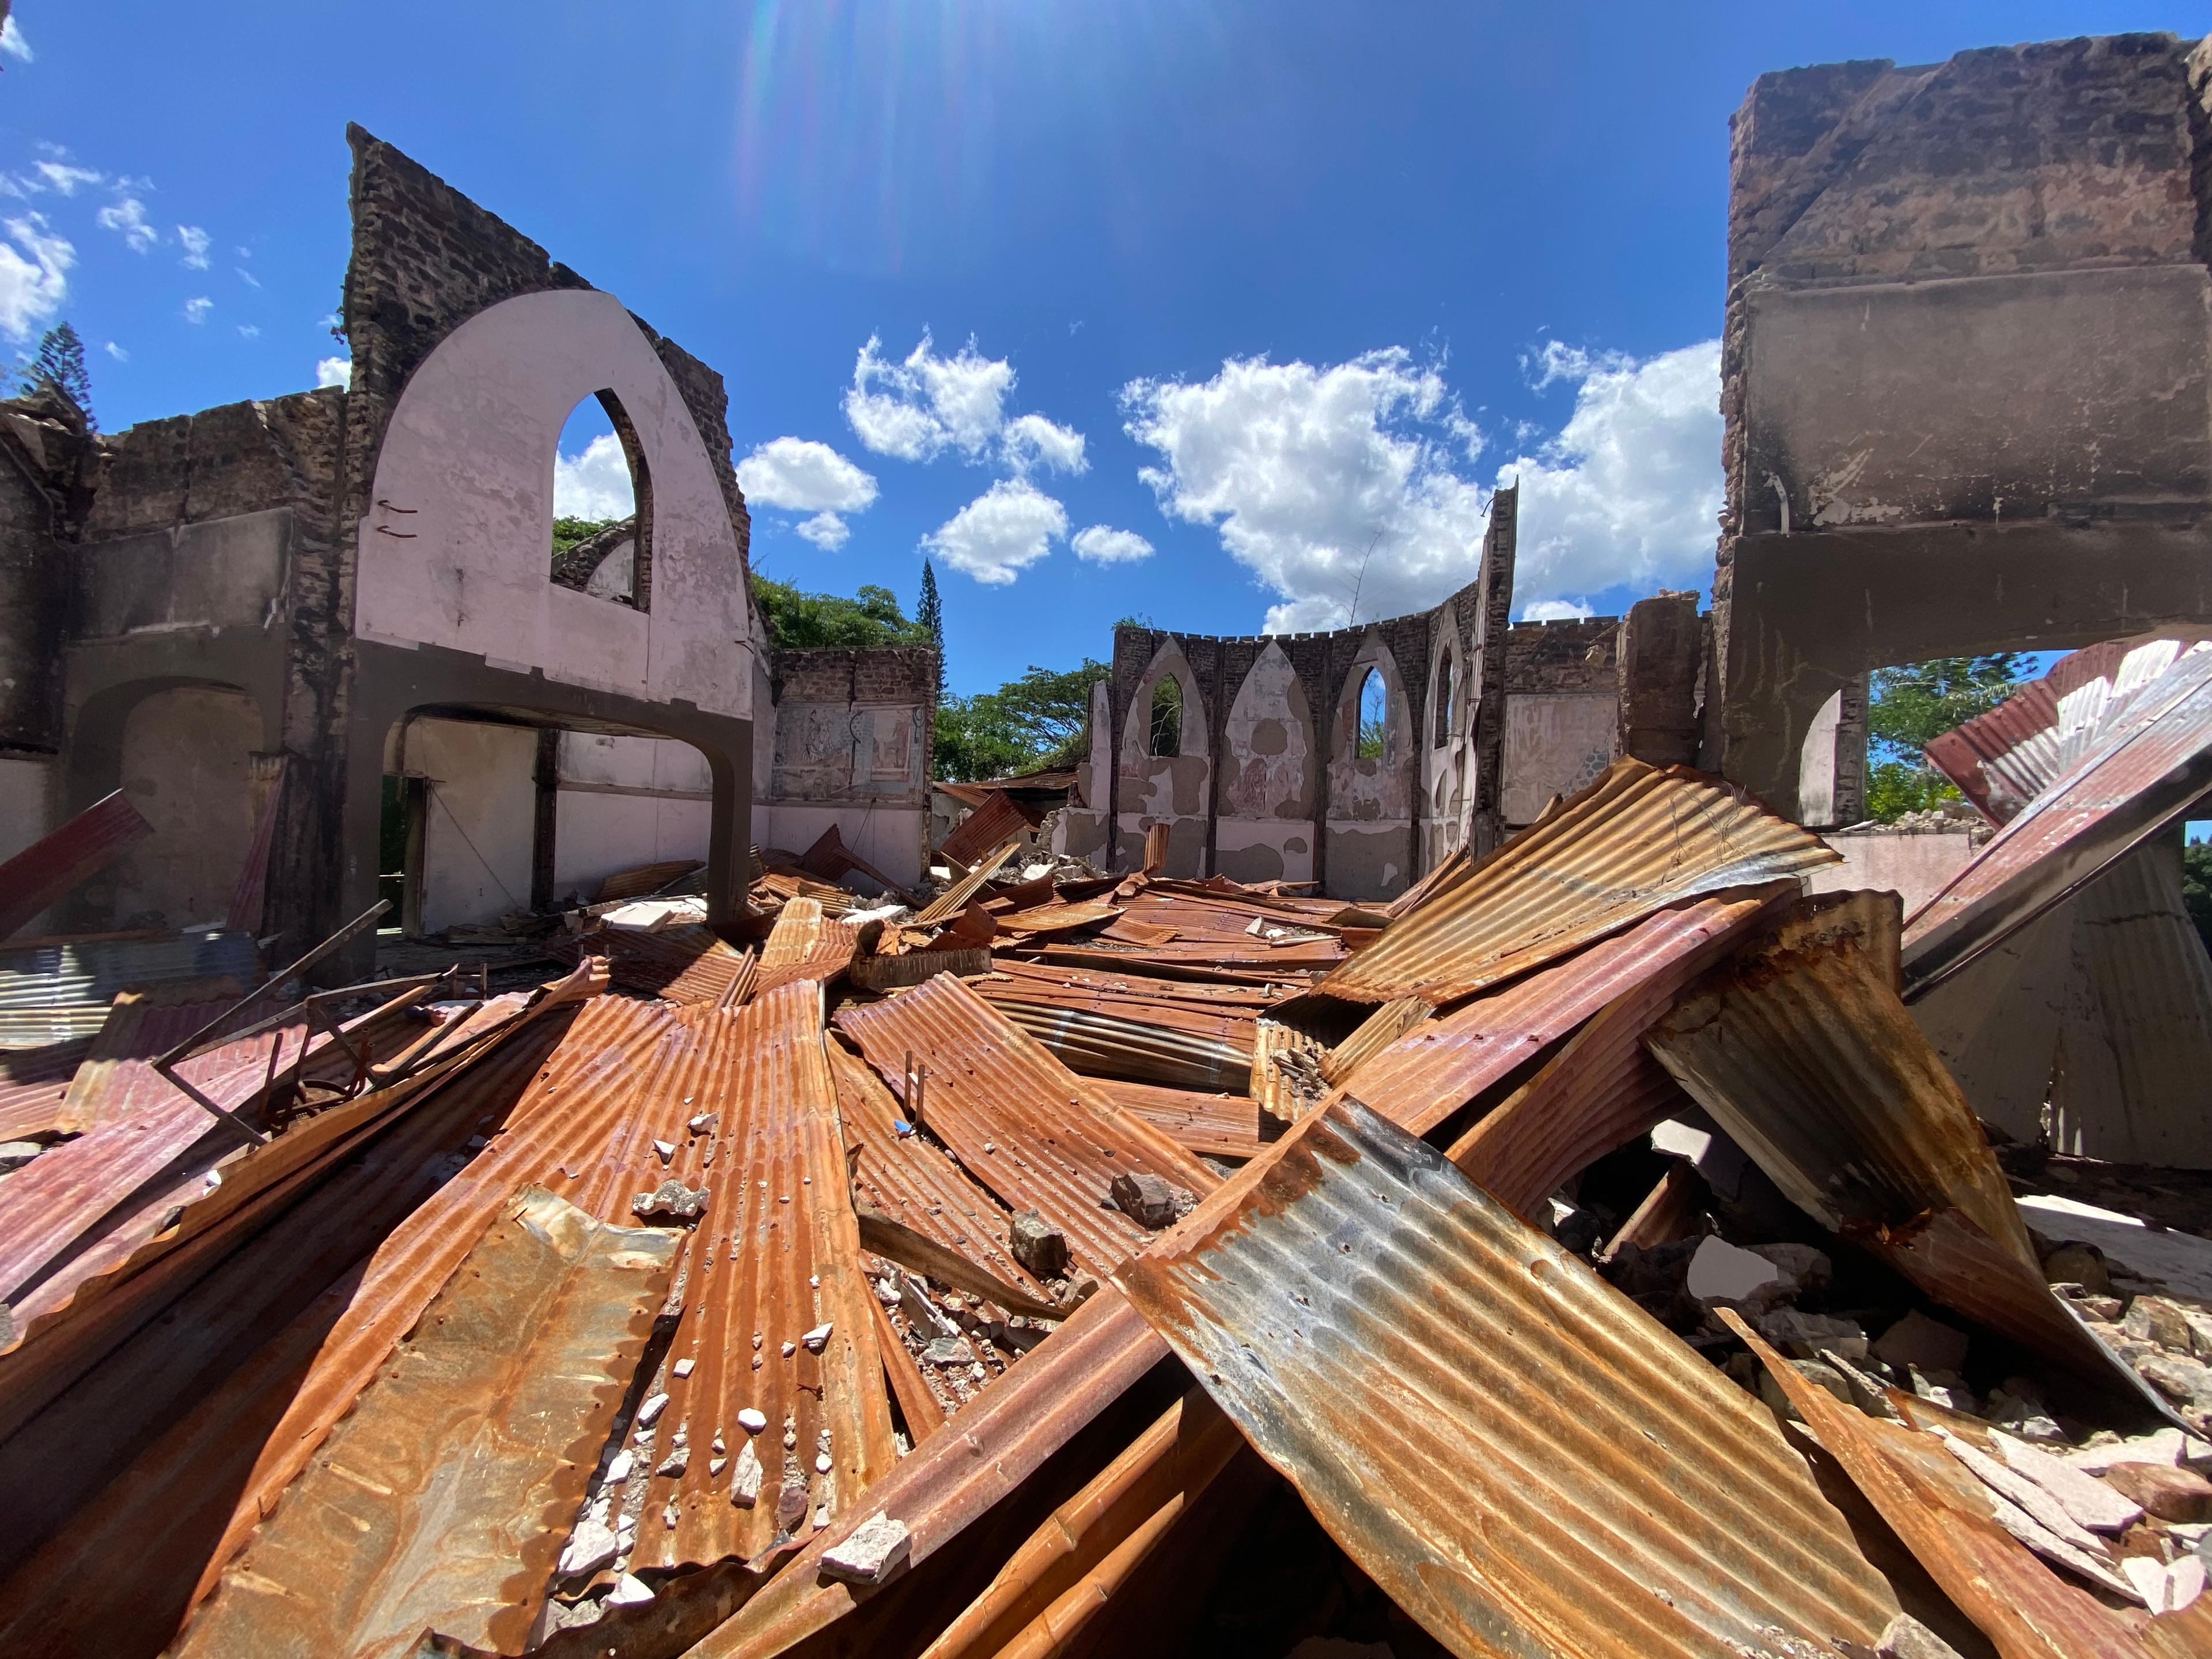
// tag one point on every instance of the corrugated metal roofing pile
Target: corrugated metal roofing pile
(1589, 1256)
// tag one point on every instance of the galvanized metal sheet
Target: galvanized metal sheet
(1527, 1462)
(1023, 1124)
(442, 1503)
(2142, 768)
(1441, 1064)
(60, 992)
(1638, 839)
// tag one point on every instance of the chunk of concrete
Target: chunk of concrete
(2090, 1501)
(1906, 1637)
(870, 1553)
(745, 1478)
(671, 1201)
(1803, 1335)
(751, 1420)
(818, 1338)
(1719, 1271)
(1038, 1245)
(2078, 1264)
(1804, 1268)
(1149, 1200)
(2171, 1494)
(1918, 1341)
(949, 1351)
(629, 1591)
(591, 1546)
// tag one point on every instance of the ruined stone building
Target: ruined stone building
(349, 595)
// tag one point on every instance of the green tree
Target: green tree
(929, 616)
(59, 366)
(798, 620)
(571, 532)
(1910, 706)
(1038, 723)
(2197, 885)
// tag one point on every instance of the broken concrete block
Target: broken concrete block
(745, 1479)
(676, 1462)
(1719, 1271)
(1038, 1245)
(2078, 1264)
(1906, 1637)
(790, 1505)
(2171, 1494)
(629, 1591)
(751, 1420)
(649, 1413)
(870, 1553)
(949, 1351)
(2154, 1319)
(1149, 1200)
(921, 1313)
(1916, 1339)
(1804, 1335)
(1819, 1373)
(2088, 1500)
(671, 1199)
(14, 1154)
(682, 1367)
(590, 1548)
(618, 1471)
(2187, 1383)
(817, 1339)
(2162, 1447)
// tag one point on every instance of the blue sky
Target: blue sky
(1228, 316)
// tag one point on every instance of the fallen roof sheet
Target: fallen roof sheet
(685, 965)
(954, 899)
(911, 1179)
(1439, 1065)
(1286, 1076)
(454, 1482)
(775, 1317)
(52, 866)
(1216, 1125)
(1527, 1462)
(1023, 1124)
(34, 1084)
(997, 817)
(645, 879)
(994, 1444)
(1059, 918)
(1390, 1021)
(1176, 1046)
(2141, 769)
(62, 990)
(832, 860)
(1637, 839)
(1946, 1517)
(804, 945)
(2002, 760)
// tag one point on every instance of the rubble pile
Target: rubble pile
(1587, 1253)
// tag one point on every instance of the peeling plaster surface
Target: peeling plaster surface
(1270, 744)
(1170, 788)
(1263, 849)
(186, 757)
(1555, 744)
(455, 551)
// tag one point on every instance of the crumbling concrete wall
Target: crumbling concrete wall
(622, 802)
(852, 739)
(1370, 798)
(1175, 789)
(1270, 776)
(1965, 376)
(1561, 711)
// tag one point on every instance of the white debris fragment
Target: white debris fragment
(2040, 1505)
(745, 1481)
(665, 1148)
(751, 1420)
(649, 1413)
(818, 1338)
(618, 1471)
(2088, 1500)
(822, 1463)
(789, 1349)
(1719, 1271)
(870, 1553)
(682, 1367)
(629, 1591)
(714, 1466)
(676, 1462)
(591, 1548)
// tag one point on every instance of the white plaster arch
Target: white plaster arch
(1269, 743)
(454, 548)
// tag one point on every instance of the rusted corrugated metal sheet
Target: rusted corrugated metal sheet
(780, 885)
(804, 945)
(442, 1503)
(1079, 986)
(58, 992)
(685, 965)
(1177, 1048)
(1059, 918)
(33, 1084)
(1527, 1462)
(1121, 1515)
(1440, 1065)
(645, 879)
(1600, 1091)
(1027, 1128)
(1945, 1517)
(2141, 770)
(997, 1442)
(1278, 1093)
(50, 867)
(910, 1179)
(1637, 839)
(954, 899)
(999, 818)
(1218, 1125)
(1389, 1022)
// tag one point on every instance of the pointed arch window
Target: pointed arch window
(602, 505)
(1166, 715)
(1374, 734)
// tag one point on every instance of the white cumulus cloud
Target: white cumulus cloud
(1031, 441)
(249, 330)
(801, 476)
(195, 241)
(196, 311)
(1096, 545)
(13, 43)
(1555, 610)
(116, 352)
(926, 406)
(595, 484)
(1335, 485)
(64, 176)
(34, 275)
(126, 217)
(826, 531)
(334, 371)
(1629, 491)
(1007, 528)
